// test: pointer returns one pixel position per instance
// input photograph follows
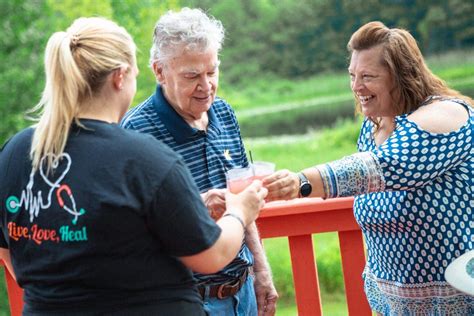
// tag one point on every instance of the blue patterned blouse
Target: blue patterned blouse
(417, 219)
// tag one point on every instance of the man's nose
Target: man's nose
(205, 84)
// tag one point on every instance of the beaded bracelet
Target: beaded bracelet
(236, 217)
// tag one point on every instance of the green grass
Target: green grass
(452, 62)
(456, 67)
(332, 306)
(270, 91)
(278, 106)
(314, 147)
(295, 119)
(328, 260)
(4, 307)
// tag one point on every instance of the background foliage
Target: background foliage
(295, 39)
(269, 41)
(283, 70)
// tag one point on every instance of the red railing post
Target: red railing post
(15, 293)
(353, 262)
(298, 220)
(305, 276)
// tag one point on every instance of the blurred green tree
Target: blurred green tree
(265, 38)
(25, 28)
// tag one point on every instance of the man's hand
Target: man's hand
(265, 292)
(282, 185)
(214, 200)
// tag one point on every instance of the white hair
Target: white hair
(189, 29)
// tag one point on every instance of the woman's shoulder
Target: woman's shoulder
(365, 139)
(441, 115)
(367, 127)
(148, 156)
(22, 138)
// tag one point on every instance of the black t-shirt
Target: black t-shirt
(104, 229)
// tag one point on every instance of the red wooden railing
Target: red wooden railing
(15, 293)
(298, 220)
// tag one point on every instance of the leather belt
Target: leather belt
(224, 290)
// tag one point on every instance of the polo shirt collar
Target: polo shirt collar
(176, 125)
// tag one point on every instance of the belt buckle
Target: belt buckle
(219, 293)
(231, 286)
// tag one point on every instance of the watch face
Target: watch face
(305, 189)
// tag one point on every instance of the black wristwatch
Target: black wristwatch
(305, 186)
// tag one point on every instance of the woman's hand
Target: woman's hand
(282, 185)
(247, 203)
(244, 208)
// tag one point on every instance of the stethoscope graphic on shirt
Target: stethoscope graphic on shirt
(72, 211)
(36, 203)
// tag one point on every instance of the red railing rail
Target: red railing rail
(297, 220)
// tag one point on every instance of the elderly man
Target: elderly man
(185, 113)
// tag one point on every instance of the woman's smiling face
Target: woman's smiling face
(371, 82)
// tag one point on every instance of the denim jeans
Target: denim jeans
(244, 303)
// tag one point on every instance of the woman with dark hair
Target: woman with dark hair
(412, 178)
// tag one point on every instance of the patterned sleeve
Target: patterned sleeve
(409, 158)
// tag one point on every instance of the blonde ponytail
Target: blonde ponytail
(77, 63)
(58, 102)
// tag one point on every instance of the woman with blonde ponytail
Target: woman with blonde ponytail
(98, 220)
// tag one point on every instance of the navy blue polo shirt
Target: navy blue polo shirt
(208, 154)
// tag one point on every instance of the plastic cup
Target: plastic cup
(238, 179)
(262, 169)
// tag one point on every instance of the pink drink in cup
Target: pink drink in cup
(238, 179)
(262, 169)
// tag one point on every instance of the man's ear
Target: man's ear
(118, 76)
(158, 70)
